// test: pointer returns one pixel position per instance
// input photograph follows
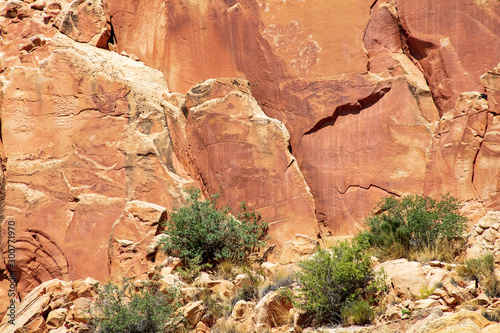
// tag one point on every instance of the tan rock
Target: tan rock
(153, 246)
(273, 310)
(171, 280)
(482, 299)
(56, 318)
(32, 306)
(80, 309)
(193, 312)
(61, 329)
(86, 21)
(426, 303)
(242, 310)
(491, 328)
(462, 321)
(297, 249)
(406, 277)
(270, 269)
(461, 295)
(36, 326)
(83, 288)
(241, 280)
(202, 280)
(393, 313)
(190, 294)
(223, 288)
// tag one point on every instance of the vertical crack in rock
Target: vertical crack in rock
(475, 160)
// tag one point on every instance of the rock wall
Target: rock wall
(360, 86)
(326, 108)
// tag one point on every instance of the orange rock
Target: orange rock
(86, 21)
(69, 180)
(450, 65)
(240, 150)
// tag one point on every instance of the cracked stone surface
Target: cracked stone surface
(361, 107)
(336, 104)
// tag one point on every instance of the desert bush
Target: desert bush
(492, 315)
(334, 280)
(130, 309)
(358, 312)
(481, 270)
(408, 225)
(203, 234)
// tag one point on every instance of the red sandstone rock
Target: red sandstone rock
(86, 21)
(130, 236)
(240, 150)
(84, 133)
(374, 95)
(455, 42)
(307, 76)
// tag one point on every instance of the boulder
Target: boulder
(273, 310)
(80, 309)
(86, 21)
(297, 249)
(406, 278)
(222, 288)
(56, 318)
(462, 321)
(193, 312)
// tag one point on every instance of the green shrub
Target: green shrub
(127, 309)
(415, 223)
(357, 313)
(203, 235)
(333, 280)
(481, 270)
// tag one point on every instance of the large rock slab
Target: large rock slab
(85, 132)
(405, 278)
(238, 149)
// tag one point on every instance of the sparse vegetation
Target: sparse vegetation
(203, 235)
(425, 291)
(335, 282)
(358, 312)
(131, 309)
(417, 227)
(481, 270)
(492, 315)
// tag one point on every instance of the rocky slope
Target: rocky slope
(332, 106)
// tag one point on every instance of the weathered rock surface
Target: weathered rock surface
(238, 149)
(350, 101)
(85, 133)
(485, 237)
(361, 107)
(52, 300)
(405, 277)
(130, 237)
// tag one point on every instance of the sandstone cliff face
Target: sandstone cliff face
(84, 133)
(360, 85)
(334, 105)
